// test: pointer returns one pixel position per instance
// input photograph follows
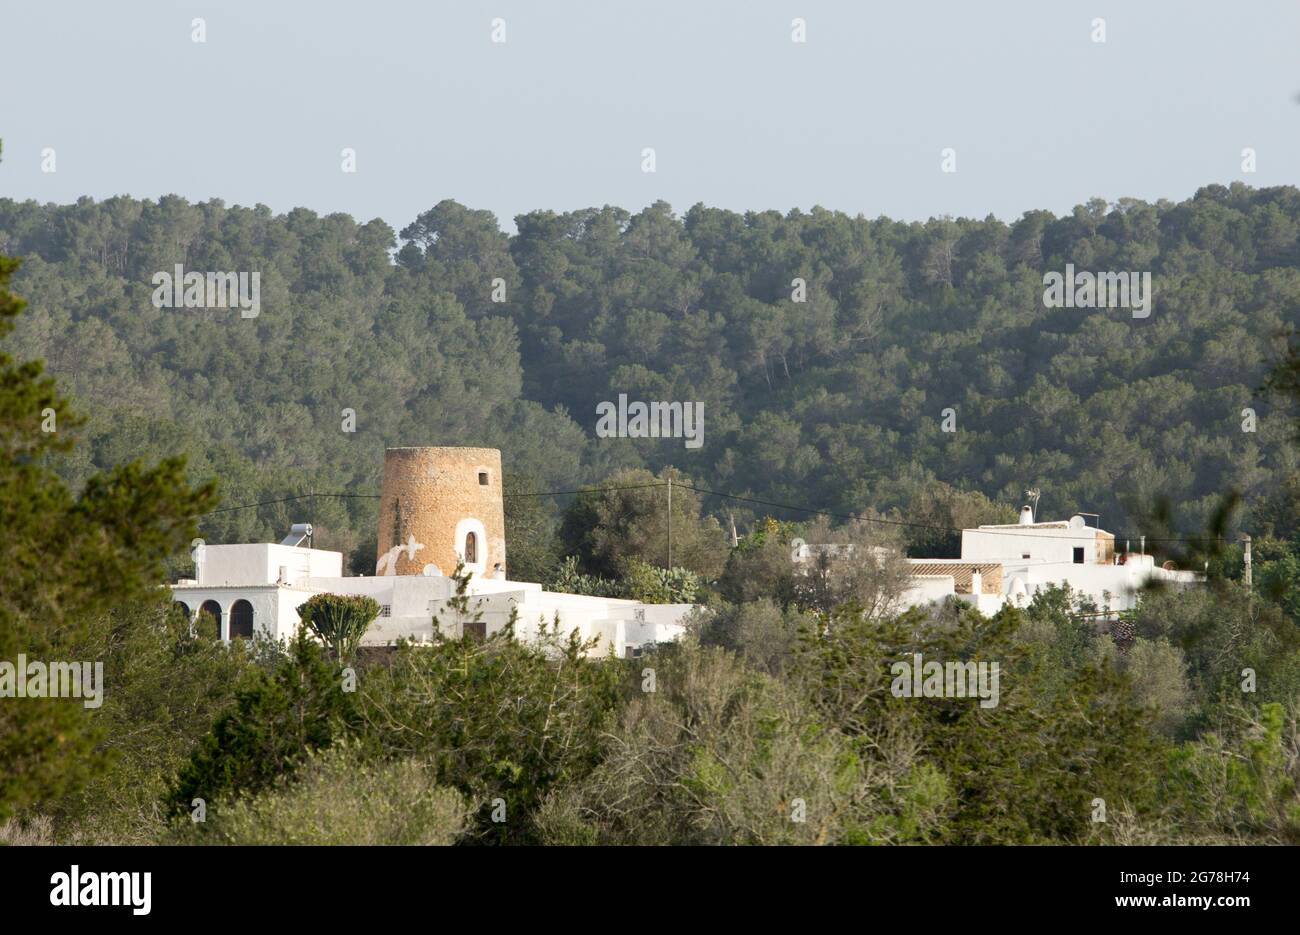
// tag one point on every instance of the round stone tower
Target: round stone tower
(440, 506)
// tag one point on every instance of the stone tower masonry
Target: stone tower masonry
(439, 506)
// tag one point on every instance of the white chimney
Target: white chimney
(198, 552)
(1026, 515)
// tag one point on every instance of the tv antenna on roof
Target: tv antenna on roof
(1032, 495)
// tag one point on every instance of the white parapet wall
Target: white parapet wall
(264, 563)
(276, 580)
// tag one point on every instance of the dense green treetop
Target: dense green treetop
(834, 402)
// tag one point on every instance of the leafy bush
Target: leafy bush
(719, 754)
(1239, 784)
(503, 722)
(339, 797)
(1023, 771)
(642, 582)
(626, 518)
(760, 632)
(277, 719)
(168, 681)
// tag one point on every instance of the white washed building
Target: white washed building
(259, 586)
(1009, 564)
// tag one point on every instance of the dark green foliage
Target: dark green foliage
(66, 560)
(1024, 771)
(1237, 784)
(834, 402)
(641, 581)
(939, 510)
(1277, 572)
(168, 681)
(720, 754)
(534, 551)
(277, 719)
(1222, 631)
(1072, 634)
(759, 566)
(759, 631)
(502, 722)
(757, 570)
(627, 519)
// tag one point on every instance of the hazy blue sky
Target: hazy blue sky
(556, 117)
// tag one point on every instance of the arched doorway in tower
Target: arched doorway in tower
(471, 548)
(241, 620)
(213, 610)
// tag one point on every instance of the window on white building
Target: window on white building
(241, 620)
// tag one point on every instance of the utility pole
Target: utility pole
(670, 521)
(1245, 558)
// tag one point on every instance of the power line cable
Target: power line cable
(375, 496)
(736, 497)
(913, 525)
(303, 496)
(560, 493)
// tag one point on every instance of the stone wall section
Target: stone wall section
(426, 494)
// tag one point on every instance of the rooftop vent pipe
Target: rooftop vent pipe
(1026, 515)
